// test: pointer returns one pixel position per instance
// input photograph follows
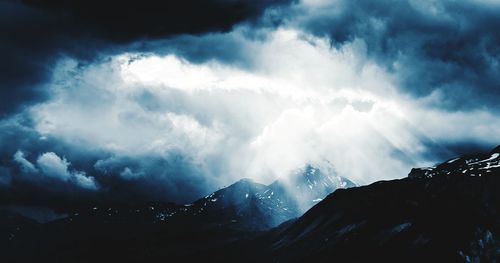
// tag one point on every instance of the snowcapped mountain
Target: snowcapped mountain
(472, 165)
(237, 205)
(253, 205)
(310, 185)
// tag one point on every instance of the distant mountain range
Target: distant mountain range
(255, 206)
(244, 208)
(246, 205)
(446, 213)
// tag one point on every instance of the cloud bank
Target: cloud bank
(36, 34)
(443, 49)
(159, 111)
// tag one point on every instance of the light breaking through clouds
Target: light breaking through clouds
(174, 118)
(302, 102)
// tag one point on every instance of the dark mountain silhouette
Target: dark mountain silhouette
(446, 213)
(155, 230)
(254, 206)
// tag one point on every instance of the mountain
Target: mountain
(248, 205)
(254, 206)
(237, 205)
(446, 213)
(310, 185)
(472, 165)
(138, 232)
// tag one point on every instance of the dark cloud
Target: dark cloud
(40, 170)
(223, 47)
(36, 33)
(448, 46)
(131, 19)
(175, 178)
(115, 179)
(52, 173)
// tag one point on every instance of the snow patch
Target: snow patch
(492, 157)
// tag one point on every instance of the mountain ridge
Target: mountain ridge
(435, 214)
(447, 215)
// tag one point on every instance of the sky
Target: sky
(141, 100)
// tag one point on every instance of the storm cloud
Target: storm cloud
(445, 50)
(126, 102)
(35, 34)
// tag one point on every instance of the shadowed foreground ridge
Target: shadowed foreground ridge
(447, 213)
(143, 232)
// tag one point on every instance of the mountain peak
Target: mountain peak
(248, 202)
(313, 175)
(244, 184)
(470, 165)
(245, 181)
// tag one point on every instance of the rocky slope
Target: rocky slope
(157, 230)
(446, 213)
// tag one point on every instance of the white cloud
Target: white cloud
(81, 179)
(51, 165)
(302, 101)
